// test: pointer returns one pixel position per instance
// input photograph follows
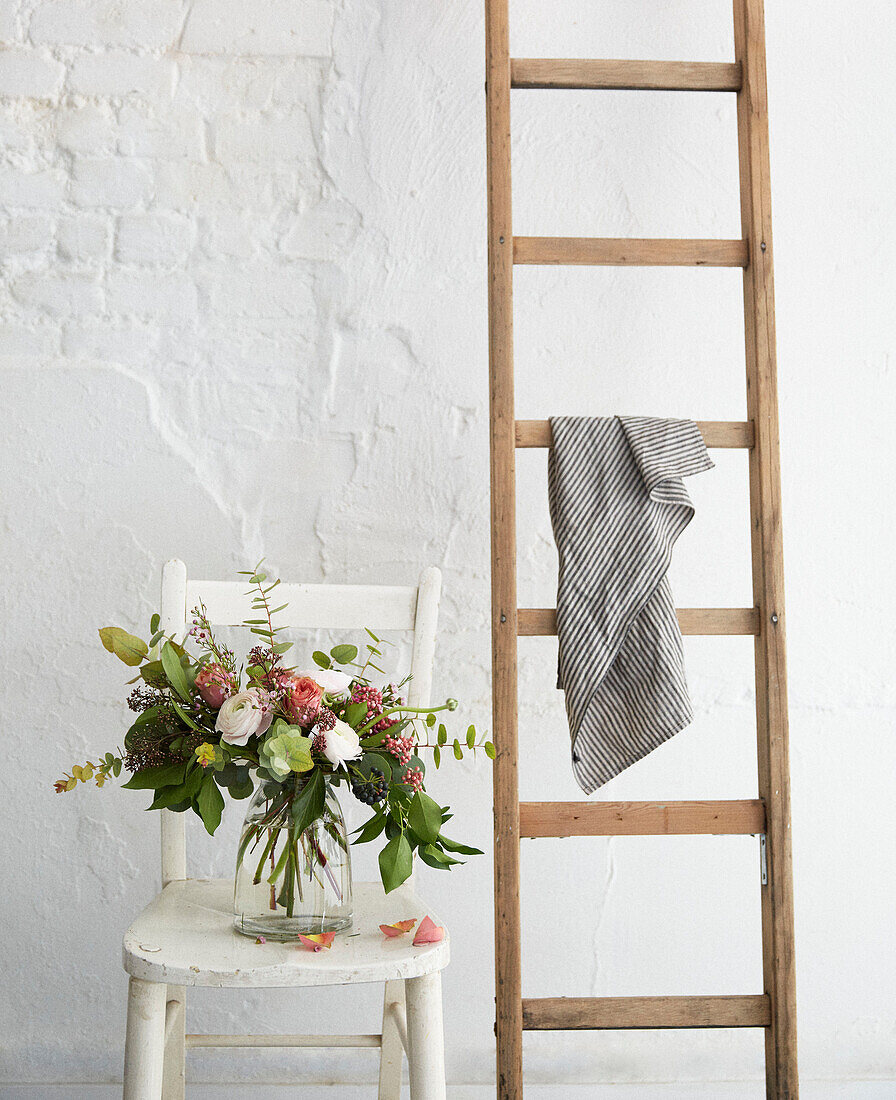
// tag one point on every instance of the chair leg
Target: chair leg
(175, 1044)
(392, 1049)
(144, 1047)
(426, 1053)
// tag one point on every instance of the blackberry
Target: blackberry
(372, 789)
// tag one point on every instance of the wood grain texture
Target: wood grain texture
(767, 550)
(629, 252)
(542, 621)
(502, 450)
(593, 1013)
(717, 434)
(563, 819)
(679, 76)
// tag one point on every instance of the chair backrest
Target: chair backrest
(311, 606)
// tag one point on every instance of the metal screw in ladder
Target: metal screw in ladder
(774, 1010)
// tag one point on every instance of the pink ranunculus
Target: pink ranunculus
(244, 714)
(214, 684)
(302, 698)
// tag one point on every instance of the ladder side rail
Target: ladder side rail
(767, 550)
(508, 974)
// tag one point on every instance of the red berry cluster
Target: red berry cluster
(369, 695)
(318, 744)
(413, 778)
(401, 748)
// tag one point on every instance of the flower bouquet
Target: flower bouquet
(206, 726)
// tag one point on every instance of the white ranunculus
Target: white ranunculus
(331, 680)
(342, 743)
(243, 714)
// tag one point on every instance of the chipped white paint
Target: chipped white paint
(189, 930)
(243, 313)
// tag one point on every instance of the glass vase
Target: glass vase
(288, 881)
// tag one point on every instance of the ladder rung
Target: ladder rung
(630, 252)
(599, 1013)
(563, 819)
(540, 622)
(717, 434)
(671, 76)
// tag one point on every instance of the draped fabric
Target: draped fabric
(618, 504)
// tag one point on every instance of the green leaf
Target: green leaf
(430, 720)
(174, 671)
(372, 635)
(182, 714)
(396, 863)
(321, 659)
(210, 803)
(150, 779)
(116, 768)
(154, 623)
(442, 737)
(371, 829)
(344, 654)
(436, 756)
(354, 713)
(458, 751)
(183, 792)
(308, 806)
(126, 647)
(152, 671)
(489, 750)
(461, 849)
(282, 647)
(471, 736)
(425, 817)
(438, 856)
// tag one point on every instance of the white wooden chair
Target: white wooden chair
(184, 937)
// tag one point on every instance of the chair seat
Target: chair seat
(185, 936)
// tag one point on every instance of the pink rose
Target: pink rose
(302, 698)
(214, 684)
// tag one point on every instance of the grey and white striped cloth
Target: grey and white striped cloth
(617, 506)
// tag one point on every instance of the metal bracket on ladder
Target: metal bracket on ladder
(774, 1009)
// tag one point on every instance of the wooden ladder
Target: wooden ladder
(769, 815)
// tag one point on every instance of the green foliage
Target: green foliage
(126, 647)
(425, 817)
(174, 671)
(396, 862)
(150, 779)
(344, 654)
(308, 805)
(210, 803)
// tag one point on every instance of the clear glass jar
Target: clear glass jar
(288, 882)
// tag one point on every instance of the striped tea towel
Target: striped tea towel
(617, 506)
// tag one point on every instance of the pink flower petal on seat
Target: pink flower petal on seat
(398, 929)
(321, 941)
(428, 932)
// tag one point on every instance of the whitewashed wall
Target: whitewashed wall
(243, 314)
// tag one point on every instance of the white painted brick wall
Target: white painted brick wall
(242, 313)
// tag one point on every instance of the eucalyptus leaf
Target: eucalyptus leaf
(344, 654)
(126, 647)
(321, 659)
